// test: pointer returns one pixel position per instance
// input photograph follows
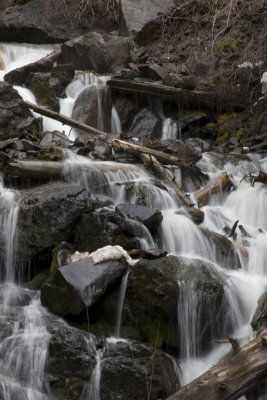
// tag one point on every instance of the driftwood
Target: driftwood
(207, 100)
(261, 177)
(215, 186)
(19, 76)
(137, 150)
(65, 120)
(232, 377)
(152, 164)
(232, 231)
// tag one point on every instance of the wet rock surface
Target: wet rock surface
(48, 214)
(142, 370)
(149, 217)
(154, 283)
(77, 286)
(259, 320)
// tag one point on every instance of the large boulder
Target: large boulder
(93, 107)
(77, 286)
(40, 21)
(100, 53)
(184, 151)
(135, 371)
(47, 216)
(148, 216)
(259, 319)
(70, 360)
(135, 15)
(107, 227)
(46, 92)
(12, 111)
(144, 126)
(165, 294)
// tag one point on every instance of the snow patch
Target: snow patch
(79, 256)
(108, 253)
(264, 82)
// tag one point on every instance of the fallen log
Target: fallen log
(152, 164)
(207, 100)
(65, 120)
(19, 76)
(232, 377)
(137, 150)
(216, 185)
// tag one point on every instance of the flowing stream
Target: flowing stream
(245, 276)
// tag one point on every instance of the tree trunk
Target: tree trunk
(207, 100)
(64, 119)
(152, 164)
(232, 377)
(215, 186)
(137, 150)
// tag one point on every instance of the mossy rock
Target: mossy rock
(153, 295)
(40, 86)
(37, 282)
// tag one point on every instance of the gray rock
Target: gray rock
(55, 138)
(154, 72)
(126, 372)
(79, 285)
(259, 319)
(12, 111)
(145, 124)
(87, 110)
(184, 151)
(153, 293)
(47, 215)
(7, 143)
(148, 216)
(17, 145)
(40, 21)
(134, 15)
(93, 51)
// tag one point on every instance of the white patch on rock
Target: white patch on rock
(79, 256)
(108, 253)
(264, 82)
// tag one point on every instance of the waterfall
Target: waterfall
(120, 304)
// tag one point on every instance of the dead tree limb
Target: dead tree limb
(207, 100)
(65, 120)
(232, 377)
(152, 164)
(137, 150)
(215, 186)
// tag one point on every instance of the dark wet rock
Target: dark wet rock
(37, 282)
(154, 72)
(126, 372)
(88, 110)
(48, 214)
(196, 215)
(64, 73)
(135, 16)
(61, 255)
(75, 287)
(184, 151)
(30, 128)
(145, 125)
(126, 107)
(52, 154)
(148, 216)
(20, 76)
(17, 145)
(93, 51)
(70, 360)
(153, 295)
(40, 21)
(106, 227)
(148, 254)
(12, 111)
(259, 319)
(224, 250)
(7, 143)
(199, 145)
(43, 87)
(54, 139)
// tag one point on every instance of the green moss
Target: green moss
(238, 133)
(223, 138)
(228, 47)
(222, 118)
(192, 115)
(37, 282)
(210, 125)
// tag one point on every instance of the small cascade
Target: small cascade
(9, 204)
(170, 129)
(115, 121)
(95, 392)
(120, 303)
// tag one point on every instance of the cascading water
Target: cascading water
(28, 338)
